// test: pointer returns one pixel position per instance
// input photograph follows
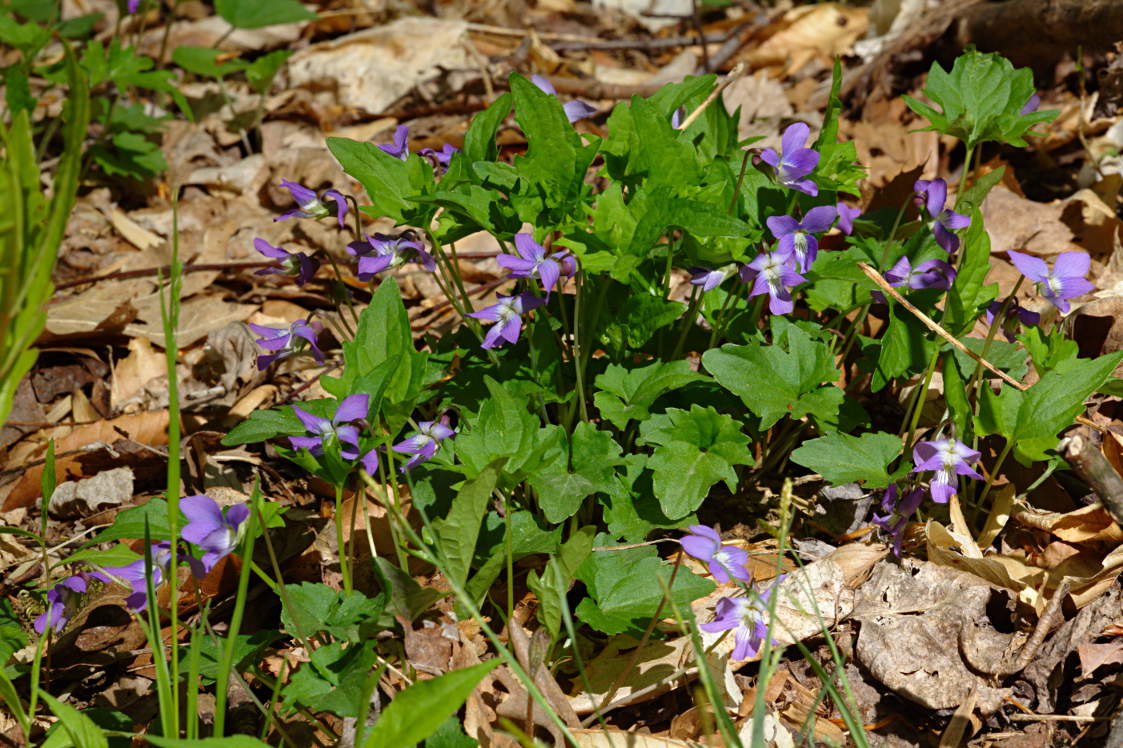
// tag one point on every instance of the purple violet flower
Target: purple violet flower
(1065, 281)
(309, 204)
(773, 273)
(1031, 105)
(928, 274)
(287, 341)
(795, 162)
(62, 602)
(340, 427)
(507, 316)
(846, 216)
(208, 528)
(132, 575)
(574, 110)
(424, 444)
(295, 264)
(747, 616)
(132, 7)
(949, 458)
(707, 279)
(934, 193)
(441, 158)
(798, 237)
(725, 561)
(400, 147)
(533, 262)
(897, 513)
(1015, 313)
(383, 251)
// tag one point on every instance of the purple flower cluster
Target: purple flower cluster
(339, 429)
(896, 514)
(399, 149)
(383, 251)
(530, 261)
(282, 342)
(1065, 281)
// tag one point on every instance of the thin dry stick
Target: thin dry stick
(734, 74)
(934, 327)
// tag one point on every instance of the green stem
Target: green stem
(719, 320)
(688, 321)
(344, 563)
(995, 323)
(918, 397)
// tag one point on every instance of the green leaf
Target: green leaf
(637, 317)
(980, 100)
(253, 14)
(625, 590)
(204, 61)
(555, 160)
(774, 382)
(247, 649)
(12, 636)
(694, 450)
(527, 538)
(450, 735)
(417, 712)
(628, 394)
(261, 72)
(841, 458)
(262, 425)
(333, 679)
(554, 584)
(460, 529)
(404, 596)
(82, 730)
(562, 485)
(130, 523)
(385, 178)
(310, 609)
(1047, 351)
(479, 141)
(503, 428)
(118, 555)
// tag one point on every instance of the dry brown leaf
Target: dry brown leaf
(809, 32)
(1089, 524)
(1093, 656)
(1013, 222)
(369, 70)
(143, 365)
(146, 428)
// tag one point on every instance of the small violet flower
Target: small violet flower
(1065, 281)
(441, 158)
(132, 7)
(1031, 105)
(400, 147)
(383, 251)
(797, 237)
(934, 193)
(132, 575)
(1015, 313)
(725, 561)
(897, 513)
(574, 110)
(62, 602)
(283, 342)
(533, 262)
(747, 616)
(795, 162)
(928, 274)
(773, 273)
(424, 444)
(846, 216)
(949, 458)
(507, 316)
(309, 204)
(208, 528)
(339, 427)
(295, 264)
(707, 279)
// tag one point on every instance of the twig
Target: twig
(1056, 718)
(163, 270)
(934, 327)
(1090, 464)
(734, 74)
(644, 44)
(1010, 665)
